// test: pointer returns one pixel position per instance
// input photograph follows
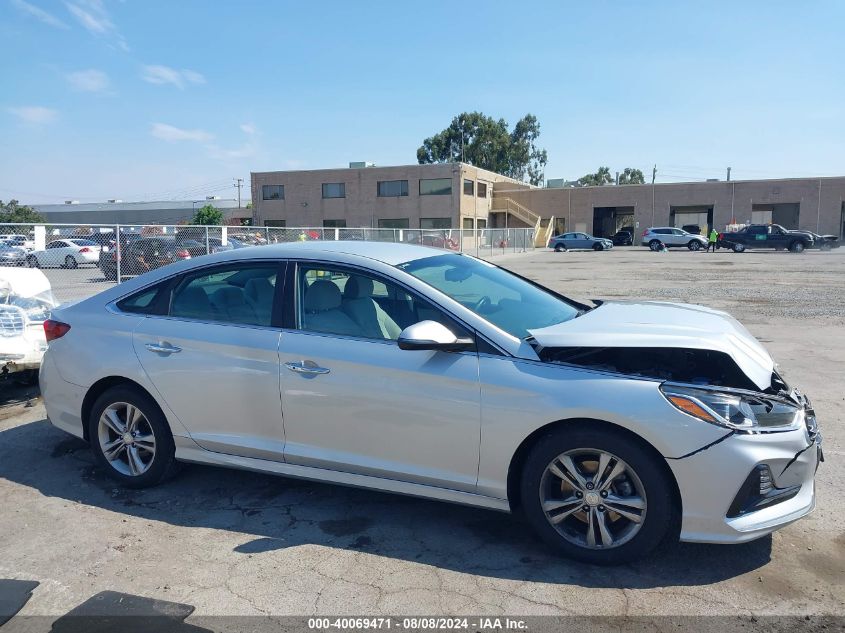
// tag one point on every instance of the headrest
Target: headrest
(228, 296)
(322, 295)
(192, 298)
(258, 286)
(357, 287)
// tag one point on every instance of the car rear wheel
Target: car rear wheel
(796, 247)
(32, 261)
(654, 244)
(694, 245)
(559, 248)
(596, 496)
(738, 248)
(70, 262)
(131, 438)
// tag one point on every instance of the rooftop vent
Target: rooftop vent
(114, 200)
(712, 180)
(212, 197)
(361, 164)
(71, 201)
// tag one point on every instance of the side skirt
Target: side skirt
(194, 454)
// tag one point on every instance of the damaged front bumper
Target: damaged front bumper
(747, 485)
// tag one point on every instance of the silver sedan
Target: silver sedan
(419, 371)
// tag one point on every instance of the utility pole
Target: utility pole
(238, 184)
(729, 174)
(653, 178)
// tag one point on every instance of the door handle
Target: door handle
(307, 367)
(163, 348)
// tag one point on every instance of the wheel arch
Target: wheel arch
(103, 385)
(522, 451)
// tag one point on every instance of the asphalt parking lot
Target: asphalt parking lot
(228, 542)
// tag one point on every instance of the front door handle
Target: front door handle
(163, 348)
(308, 367)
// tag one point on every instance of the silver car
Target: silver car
(567, 241)
(418, 371)
(671, 237)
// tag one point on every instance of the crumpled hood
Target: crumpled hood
(663, 324)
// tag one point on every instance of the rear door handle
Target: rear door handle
(163, 348)
(308, 367)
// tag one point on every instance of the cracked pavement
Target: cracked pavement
(239, 543)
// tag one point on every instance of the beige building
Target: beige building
(457, 195)
(439, 196)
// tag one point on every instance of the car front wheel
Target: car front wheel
(598, 247)
(596, 496)
(131, 438)
(694, 245)
(738, 248)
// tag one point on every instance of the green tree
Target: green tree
(601, 177)
(208, 215)
(631, 177)
(14, 213)
(480, 140)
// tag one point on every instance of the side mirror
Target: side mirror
(431, 335)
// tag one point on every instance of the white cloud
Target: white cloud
(172, 134)
(166, 75)
(88, 80)
(39, 14)
(35, 115)
(92, 15)
(248, 128)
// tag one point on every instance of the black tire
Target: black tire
(163, 464)
(738, 248)
(660, 513)
(796, 247)
(559, 248)
(70, 262)
(32, 261)
(654, 244)
(694, 245)
(825, 246)
(598, 247)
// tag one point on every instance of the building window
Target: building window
(392, 188)
(279, 223)
(435, 223)
(334, 224)
(272, 192)
(467, 224)
(482, 190)
(399, 223)
(480, 224)
(469, 187)
(436, 187)
(334, 189)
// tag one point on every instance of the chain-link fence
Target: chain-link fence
(81, 260)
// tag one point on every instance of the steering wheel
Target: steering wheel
(484, 302)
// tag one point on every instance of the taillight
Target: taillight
(183, 254)
(721, 236)
(55, 329)
(645, 232)
(84, 249)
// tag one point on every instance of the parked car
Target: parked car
(766, 236)
(568, 241)
(12, 255)
(25, 302)
(141, 255)
(672, 237)
(417, 371)
(69, 253)
(15, 239)
(825, 242)
(231, 244)
(623, 238)
(692, 229)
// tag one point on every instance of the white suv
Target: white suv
(671, 236)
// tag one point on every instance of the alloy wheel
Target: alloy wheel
(593, 498)
(126, 439)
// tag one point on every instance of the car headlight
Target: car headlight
(740, 412)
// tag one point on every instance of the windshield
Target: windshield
(503, 299)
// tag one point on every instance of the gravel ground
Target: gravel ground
(229, 542)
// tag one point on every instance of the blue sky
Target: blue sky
(146, 99)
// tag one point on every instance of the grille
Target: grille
(11, 321)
